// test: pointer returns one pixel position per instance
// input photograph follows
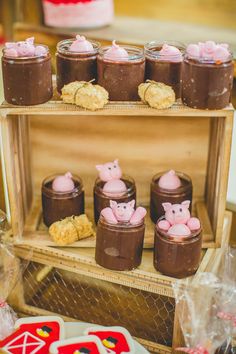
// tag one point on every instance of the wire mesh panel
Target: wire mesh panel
(146, 315)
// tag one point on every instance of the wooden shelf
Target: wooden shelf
(36, 233)
(57, 107)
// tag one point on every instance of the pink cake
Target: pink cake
(78, 13)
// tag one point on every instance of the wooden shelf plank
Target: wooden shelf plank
(112, 108)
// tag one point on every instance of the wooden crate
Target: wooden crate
(70, 283)
(40, 140)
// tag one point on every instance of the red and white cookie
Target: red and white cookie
(78, 345)
(34, 335)
(116, 340)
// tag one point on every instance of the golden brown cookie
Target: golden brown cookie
(85, 94)
(156, 94)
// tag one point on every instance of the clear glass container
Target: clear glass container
(160, 195)
(164, 69)
(74, 66)
(121, 78)
(102, 200)
(27, 80)
(119, 246)
(59, 205)
(177, 256)
(207, 84)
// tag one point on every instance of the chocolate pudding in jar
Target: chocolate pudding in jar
(164, 63)
(179, 255)
(76, 60)
(62, 196)
(27, 75)
(119, 246)
(207, 76)
(173, 187)
(120, 71)
(102, 199)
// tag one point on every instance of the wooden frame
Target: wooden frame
(145, 278)
(24, 210)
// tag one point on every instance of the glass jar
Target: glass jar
(27, 80)
(160, 195)
(74, 66)
(177, 256)
(121, 78)
(207, 84)
(59, 205)
(102, 200)
(162, 68)
(119, 246)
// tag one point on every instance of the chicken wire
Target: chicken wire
(146, 315)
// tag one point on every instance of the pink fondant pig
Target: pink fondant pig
(123, 212)
(178, 220)
(24, 49)
(111, 173)
(63, 183)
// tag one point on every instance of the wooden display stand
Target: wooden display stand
(78, 289)
(68, 281)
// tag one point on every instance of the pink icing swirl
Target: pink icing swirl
(81, 45)
(170, 53)
(169, 180)
(115, 52)
(25, 48)
(209, 51)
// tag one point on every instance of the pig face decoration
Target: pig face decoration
(178, 221)
(109, 171)
(123, 213)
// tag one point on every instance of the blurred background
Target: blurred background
(135, 22)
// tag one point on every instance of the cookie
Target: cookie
(34, 335)
(156, 94)
(78, 345)
(116, 340)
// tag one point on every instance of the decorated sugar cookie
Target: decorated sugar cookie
(34, 335)
(116, 340)
(78, 345)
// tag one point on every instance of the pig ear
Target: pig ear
(166, 206)
(186, 203)
(116, 161)
(30, 40)
(99, 167)
(132, 203)
(113, 204)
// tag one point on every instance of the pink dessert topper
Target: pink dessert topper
(178, 221)
(115, 52)
(81, 45)
(124, 213)
(170, 53)
(209, 50)
(63, 183)
(111, 173)
(34, 335)
(116, 340)
(169, 180)
(25, 48)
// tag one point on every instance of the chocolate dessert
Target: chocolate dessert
(207, 81)
(159, 195)
(27, 75)
(120, 246)
(177, 256)
(120, 71)
(102, 200)
(164, 64)
(80, 65)
(58, 205)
